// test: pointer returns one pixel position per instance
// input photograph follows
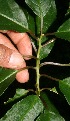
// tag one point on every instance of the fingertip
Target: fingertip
(10, 58)
(17, 61)
(22, 76)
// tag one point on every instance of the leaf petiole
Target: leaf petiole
(55, 64)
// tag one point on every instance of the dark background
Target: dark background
(61, 54)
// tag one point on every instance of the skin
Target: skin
(10, 57)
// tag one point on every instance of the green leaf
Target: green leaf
(44, 39)
(64, 30)
(39, 7)
(68, 12)
(12, 16)
(54, 90)
(64, 86)
(46, 49)
(7, 76)
(49, 116)
(31, 23)
(25, 110)
(50, 113)
(48, 19)
(19, 93)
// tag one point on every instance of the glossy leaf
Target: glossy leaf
(48, 19)
(50, 113)
(46, 49)
(12, 16)
(64, 30)
(31, 23)
(19, 93)
(25, 110)
(39, 7)
(64, 86)
(49, 116)
(7, 76)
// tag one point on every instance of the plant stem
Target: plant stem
(52, 63)
(27, 67)
(50, 77)
(48, 34)
(32, 34)
(29, 56)
(38, 68)
(38, 60)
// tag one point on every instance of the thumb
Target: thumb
(10, 58)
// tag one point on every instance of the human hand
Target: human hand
(10, 57)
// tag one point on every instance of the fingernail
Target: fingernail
(17, 61)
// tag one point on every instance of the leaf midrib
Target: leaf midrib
(9, 76)
(11, 20)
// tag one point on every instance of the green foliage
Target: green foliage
(39, 7)
(48, 19)
(49, 116)
(12, 17)
(50, 113)
(27, 109)
(19, 93)
(45, 50)
(39, 19)
(7, 76)
(64, 86)
(64, 30)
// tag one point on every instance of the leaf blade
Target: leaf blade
(7, 76)
(64, 86)
(39, 7)
(50, 113)
(64, 31)
(12, 16)
(19, 93)
(48, 19)
(45, 50)
(26, 109)
(49, 116)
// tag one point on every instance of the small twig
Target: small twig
(35, 49)
(33, 35)
(27, 67)
(52, 63)
(48, 34)
(29, 56)
(50, 41)
(31, 90)
(50, 77)
(45, 89)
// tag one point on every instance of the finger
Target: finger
(22, 76)
(10, 58)
(22, 41)
(5, 41)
